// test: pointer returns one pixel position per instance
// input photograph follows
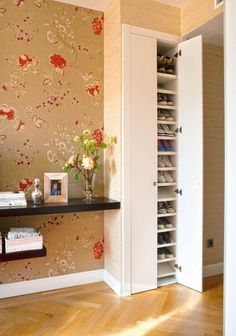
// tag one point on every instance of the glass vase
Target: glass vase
(89, 183)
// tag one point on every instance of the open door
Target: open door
(190, 164)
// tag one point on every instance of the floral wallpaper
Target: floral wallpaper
(51, 88)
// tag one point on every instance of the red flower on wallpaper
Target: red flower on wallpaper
(59, 62)
(97, 26)
(24, 59)
(7, 112)
(98, 136)
(93, 89)
(25, 183)
(98, 250)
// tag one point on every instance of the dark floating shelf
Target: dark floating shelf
(23, 255)
(73, 205)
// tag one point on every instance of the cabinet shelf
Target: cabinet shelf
(165, 281)
(166, 107)
(23, 254)
(73, 205)
(165, 195)
(166, 122)
(166, 153)
(160, 261)
(165, 270)
(166, 91)
(167, 215)
(164, 137)
(166, 245)
(164, 78)
(166, 184)
(166, 230)
(166, 168)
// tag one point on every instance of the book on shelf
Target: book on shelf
(11, 198)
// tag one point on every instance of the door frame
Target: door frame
(127, 30)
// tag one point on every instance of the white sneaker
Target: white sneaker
(161, 132)
(161, 162)
(169, 208)
(167, 131)
(161, 178)
(167, 162)
(168, 177)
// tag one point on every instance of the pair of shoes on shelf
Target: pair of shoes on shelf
(164, 208)
(163, 99)
(164, 146)
(165, 130)
(164, 238)
(166, 64)
(164, 161)
(164, 252)
(164, 115)
(164, 223)
(165, 177)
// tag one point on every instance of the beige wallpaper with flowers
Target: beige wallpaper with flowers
(51, 88)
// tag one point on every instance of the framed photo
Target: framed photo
(55, 187)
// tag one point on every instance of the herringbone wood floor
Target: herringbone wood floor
(95, 310)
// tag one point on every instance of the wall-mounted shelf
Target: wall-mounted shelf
(22, 255)
(166, 107)
(164, 78)
(73, 205)
(166, 91)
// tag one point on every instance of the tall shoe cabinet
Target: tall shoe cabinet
(141, 83)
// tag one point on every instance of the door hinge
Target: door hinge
(179, 191)
(179, 130)
(178, 267)
(179, 53)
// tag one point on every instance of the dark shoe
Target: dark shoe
(168, 253)
(161, 239)
(161, 253)
(166, 238)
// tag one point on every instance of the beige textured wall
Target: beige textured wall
(196, 13)
(151, 15)
(112, 123)
(51, 87)
(213, 80)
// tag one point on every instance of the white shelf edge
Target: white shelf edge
(160, 261)
(166, 91)
(166, 199)
(166, 153)
(165, 270)
(166, 168)
(166, 75)
(166, 122)
(166, 107)
(163, 137)
(166, 215)
(170, 280)
(166, 245)
(166, 184)
(166, 230)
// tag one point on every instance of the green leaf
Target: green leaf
(78, 176)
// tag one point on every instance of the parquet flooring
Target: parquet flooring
(94, 310)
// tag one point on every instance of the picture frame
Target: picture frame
(55, 187)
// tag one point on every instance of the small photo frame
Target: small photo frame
(55, 187)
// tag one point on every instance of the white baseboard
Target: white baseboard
(45, 284)
(214, 269)
(113, 283)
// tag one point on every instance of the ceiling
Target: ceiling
(102, 4)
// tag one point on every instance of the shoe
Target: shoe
(161, 148)
(160, 223)
(166, 161)
(168, 177)
(161, 178)
(170, 65)
(167, 131)
(161, 131)
(162, 99)
(161, 253)
(161, 63)
(166, 145)
(161, 115)
(168, 101)
(161, 241)
(161, 208)
(167, 224)
(168, 253)
(168, 208)
(161, 163)
(166, 238)
(167, 116)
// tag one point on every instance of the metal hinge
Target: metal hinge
(178, 267)
(179, 191)
(179, 53)
(179, 130)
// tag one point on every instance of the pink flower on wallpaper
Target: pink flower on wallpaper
(7, 112)
(19, 3)
(97, 26)
(25, 183)
(58, 62)
(98, 250)
(98, 136)
(93, 89)
(27, 63)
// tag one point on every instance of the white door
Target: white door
(143, 161)
(190, 164)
